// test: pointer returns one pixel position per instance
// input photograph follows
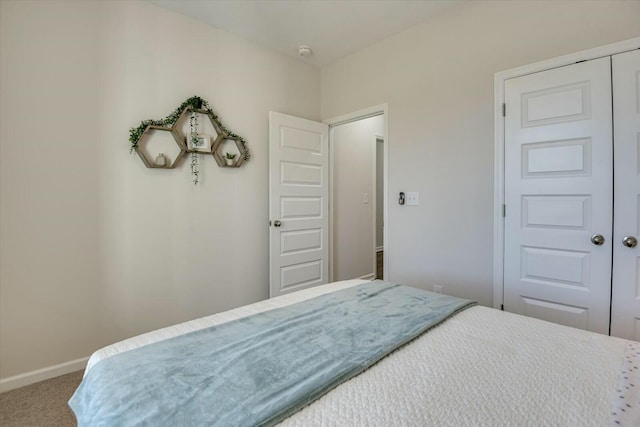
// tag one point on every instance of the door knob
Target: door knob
(630, 241)
(597, 239)
(277, 223)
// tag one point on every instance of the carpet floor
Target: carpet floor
(379, 265)
(40, 404)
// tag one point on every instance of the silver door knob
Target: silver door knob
(597, 239)
(630, 241)
(277, 223)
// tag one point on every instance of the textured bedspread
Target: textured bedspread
(485, 367)
(482, 367)
(259, 369)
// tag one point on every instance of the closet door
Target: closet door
(558, 194)
(625, 304)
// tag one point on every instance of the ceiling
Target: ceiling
(332, 28)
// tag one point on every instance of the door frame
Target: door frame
(499, 181)
(376, 196)
(377, 110)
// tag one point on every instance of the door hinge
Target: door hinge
(504, 211)
(504, 110)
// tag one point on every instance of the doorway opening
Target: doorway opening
(306, 234)
(359, 238)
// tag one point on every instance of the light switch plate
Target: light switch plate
(413, 198)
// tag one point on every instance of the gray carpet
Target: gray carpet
(379, 265)
(40, 404)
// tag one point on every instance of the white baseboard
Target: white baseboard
(27, 378)
(369, 276)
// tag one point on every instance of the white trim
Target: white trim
(365, 113)
(27, 378)
(377, 110)
(374, 200)
(368, 276)
(331, 192)
(385, 190)
(561, 61)
(498, 193)
(498, 90)
(379, 248)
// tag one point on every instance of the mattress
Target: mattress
(480, 367)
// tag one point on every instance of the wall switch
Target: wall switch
(437, 289)
(413, 198)
(365, 198)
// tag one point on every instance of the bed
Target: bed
(480, 366)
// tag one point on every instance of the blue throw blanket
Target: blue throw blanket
(260, 369)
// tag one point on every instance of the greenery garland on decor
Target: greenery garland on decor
(193, 132)
(193, 103)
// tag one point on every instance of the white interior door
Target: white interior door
(625, 304)
(558, 194)
(298, 203)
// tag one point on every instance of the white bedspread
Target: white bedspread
(482, 367)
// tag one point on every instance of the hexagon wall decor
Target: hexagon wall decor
(139, 135)
(144, 138)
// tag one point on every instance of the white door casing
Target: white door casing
(298, 203)
(625, 304)
(558, 193)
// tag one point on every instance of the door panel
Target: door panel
(558, 193)
(557, 211)
(625, 305)
(553, 267)
(300, 241)
(568, 315)
(298, 200)
(564, 103)
(556, 158)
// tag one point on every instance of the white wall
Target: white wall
(354, 150)
(437, 79)
(95, 247)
